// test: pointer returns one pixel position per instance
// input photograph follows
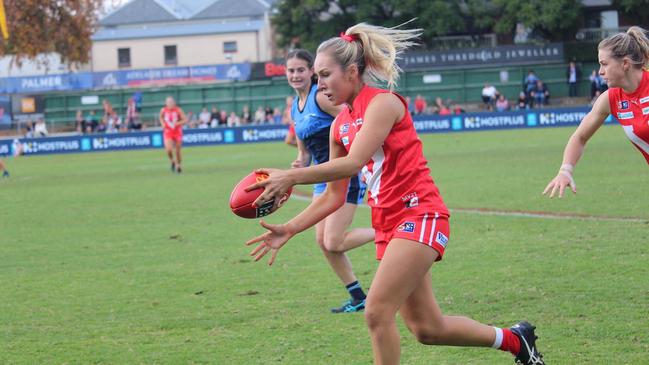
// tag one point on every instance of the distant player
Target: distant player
(313, 114)
(3, 168)
(624, 62)
(375, 133)
(172, 119)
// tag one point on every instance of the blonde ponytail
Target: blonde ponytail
(633, 44)
(374, 49)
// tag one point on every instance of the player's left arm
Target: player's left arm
(183, 117)
(382, 113)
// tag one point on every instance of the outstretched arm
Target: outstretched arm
(576, 144)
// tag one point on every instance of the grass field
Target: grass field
(108, 258)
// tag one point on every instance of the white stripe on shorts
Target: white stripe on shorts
(432, 231)
(423, 228)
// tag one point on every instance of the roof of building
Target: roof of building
(187, 29)
(158, 11)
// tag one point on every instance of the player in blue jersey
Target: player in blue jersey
(312, 114)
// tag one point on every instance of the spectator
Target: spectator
(202, 124)
(502, 104)
(489, 96)
(457, 109)
(521, 103)
(101, 127)
(29, 129)
(529, 83)
(192, 121)
(133, 122)
(277, 116)
(442, 109)
(259, 115)
(540, 94)
(223, 118)
(214, 117)
(108, 109)
(420, 104)
(113, 122)
(245, 115)
(91, 122)
(40, 129)
(573, 74)
(233, 120)
(80, 122)
(596, 84)
(268, 115)
(205, 117)
(411, 106)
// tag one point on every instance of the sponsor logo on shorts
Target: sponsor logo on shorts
(407, 227)
(645, 111)
(623, 104)
(625, 115)
(358, 122)
(644, 100)
(345, 140)
(441, 239)
(344, 128)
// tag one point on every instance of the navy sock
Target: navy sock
(355, 291)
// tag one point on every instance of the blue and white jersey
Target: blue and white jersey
(312, 126)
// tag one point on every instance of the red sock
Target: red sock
(511, 342)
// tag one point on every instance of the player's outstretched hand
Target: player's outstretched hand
(559, 183)
(275, 186)
(276, 236)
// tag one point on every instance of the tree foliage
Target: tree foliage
(637, 10)
(45, 26)
(313, 21)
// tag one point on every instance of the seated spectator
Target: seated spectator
(133, 122)
(529, 82)
(457, 109)
(202, 124)
(223, 118)
(40, 129)
(277, 116)
(233, 120)
(420, 104)
(245, 115)
(101, 127)
(80, 122)
(112, 122)
(259, 115)
(192, 121)
(489, 96)
(29, 129)
(205, 117)
(540, 94)
(502, 104)
(521, 103)
(92, 122)
(411, 106)
(442, 109)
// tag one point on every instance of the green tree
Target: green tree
(552, 19)
(636, 10)
(44, 26)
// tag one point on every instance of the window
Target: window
(229, 47)
(124, 57)
(170, 55)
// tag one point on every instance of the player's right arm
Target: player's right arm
(331, 200)
(303, 156)
(576, 144)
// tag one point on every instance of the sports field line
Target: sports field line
(299, 195)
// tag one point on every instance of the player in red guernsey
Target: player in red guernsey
(624, 64)
(375, 133)
(172, 119)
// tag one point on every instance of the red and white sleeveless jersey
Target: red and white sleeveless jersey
(397, 176)
(632, 112)
(170, 117)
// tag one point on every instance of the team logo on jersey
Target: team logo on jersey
(345, 140)
(441, 239)
(344, 128)
(623, 104)
(645, 111)
(625, 115)
(644, 100)
(358, 122)
(410, 200)
(407, 227)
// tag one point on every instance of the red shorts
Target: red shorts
(430, 229)
(174, 135)
(291, 129)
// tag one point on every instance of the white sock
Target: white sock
(499, 338)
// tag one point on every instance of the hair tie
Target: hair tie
(348, 37)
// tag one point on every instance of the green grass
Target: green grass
(108, 258)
